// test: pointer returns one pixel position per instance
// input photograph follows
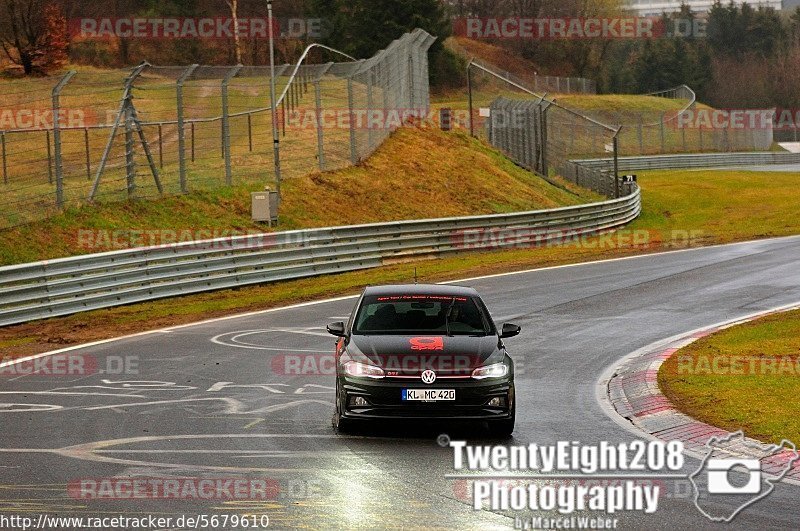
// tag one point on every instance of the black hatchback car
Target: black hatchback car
(423, 352)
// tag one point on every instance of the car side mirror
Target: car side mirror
(510, 330)
(336, 329)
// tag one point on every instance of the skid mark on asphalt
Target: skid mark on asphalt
(101, 452)
(236, 339)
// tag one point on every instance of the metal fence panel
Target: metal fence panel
(157, 130)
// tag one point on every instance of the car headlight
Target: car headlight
(362, 370)
(496, 370)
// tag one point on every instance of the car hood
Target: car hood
(410, 355)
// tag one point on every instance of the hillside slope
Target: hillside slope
(417, 173)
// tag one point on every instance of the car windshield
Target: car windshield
(414, 314)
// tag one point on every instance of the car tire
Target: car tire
(501, 429)
(341, 425)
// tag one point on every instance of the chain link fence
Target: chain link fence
(538, 133)
(551, 139)
(114, 135)
(546, 138)
(557, 84)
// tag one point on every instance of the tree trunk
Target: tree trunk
(237, 43)
(26, 61)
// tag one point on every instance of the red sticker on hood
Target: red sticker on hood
(427, 343)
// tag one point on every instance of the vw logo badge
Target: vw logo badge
(428, 376)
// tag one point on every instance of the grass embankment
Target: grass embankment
(418, 173)
(721, 206)
(744, 377)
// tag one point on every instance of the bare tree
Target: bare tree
(22, 32)
(233, 5)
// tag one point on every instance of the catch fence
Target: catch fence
(108, 136)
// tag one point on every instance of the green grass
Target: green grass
(462, 176)
(28, 189)
(755, 384)
(724, 205)
(680, 209)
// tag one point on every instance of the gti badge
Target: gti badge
(428, 376)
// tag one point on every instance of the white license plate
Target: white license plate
(429, 395)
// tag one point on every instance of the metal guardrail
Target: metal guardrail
(70, 285)
(701, 160)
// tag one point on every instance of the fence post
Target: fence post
(283, 115)
(250, 131)
(123, 107)
(49, 157)
(5, 165)
(57, 138)
(370, 133)
(88, 154)
(226, 126)
(683, 138)
(353, 151)
(471, 108)
(663, 134)
(616, 162)
(641, 134)
(130, 162)
(573, 126)
(543, 136)
(160, 146)
(318, 109)
(320, 133)
(181, 133)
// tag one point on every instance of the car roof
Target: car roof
(421, 289)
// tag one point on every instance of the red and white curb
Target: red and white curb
(632, 391)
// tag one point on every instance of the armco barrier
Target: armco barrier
(70, 285)
(700, 160)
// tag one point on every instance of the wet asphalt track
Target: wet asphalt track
(208, 401)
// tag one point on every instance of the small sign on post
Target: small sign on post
(446, 119)
(627, 182)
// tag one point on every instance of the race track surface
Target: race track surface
(211, 400)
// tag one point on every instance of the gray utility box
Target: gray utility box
(265, 206)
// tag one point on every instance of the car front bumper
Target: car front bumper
(385, 399)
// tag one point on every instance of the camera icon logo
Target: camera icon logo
(738, 472)
(719, 481)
